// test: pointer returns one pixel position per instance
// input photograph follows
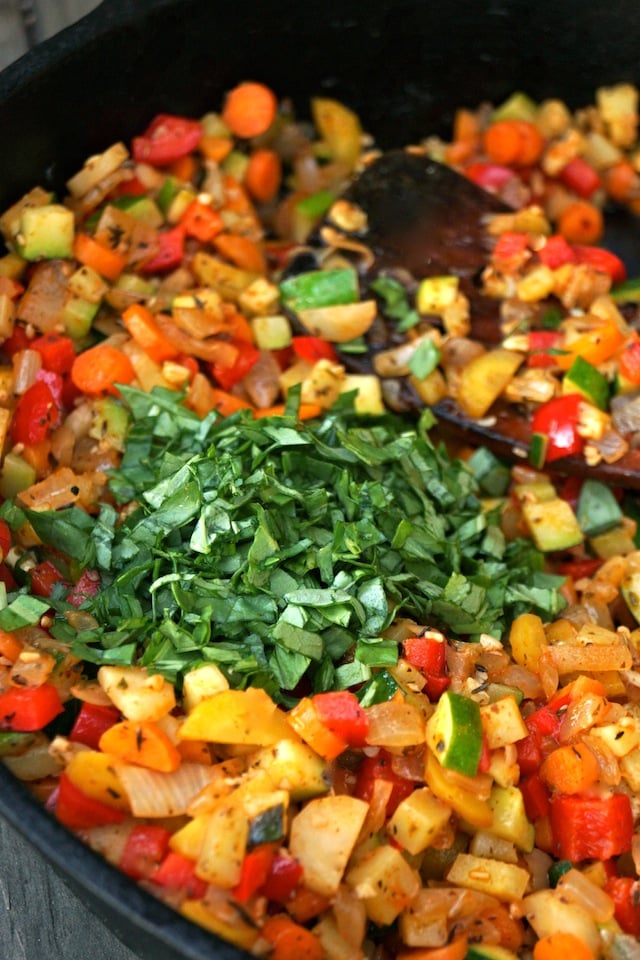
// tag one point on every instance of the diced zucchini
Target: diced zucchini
(385, 882)
(224, 844)
(502, 722)
(16, 475)
(506, 881)
(538, 450)
(144, 209)
(14, 744)
(77, 316)
(110, 423)
(553, 525)
(614, 542)
(418, 819)
(368, 399)
(482, 951)
(178, 205)
(510, 819)
(518, 106)
(271, 332)
(293, 766)
(454, 733)
(268, 826)
(87, 284)
(11, 218)
(583, 378)
(626, 292)
(46, 232)
(235, 164)
(537, 491)
(598, 509)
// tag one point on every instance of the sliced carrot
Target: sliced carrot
(456, 950)
(465, 125)
(250, 109)
(290, 940)
(560, 945)
(184, 168)
(241, 251)
(580, 687)
(513, 143)
(581, 222)
(226, 403)
(144, 743)
(10, 648)
(108, 263)
(306, 411)
(304, 904)
(144, 329)
(37, 455)
(98, 369)
(572, 768)
(237, 324)
(215, 148)
(263, 175)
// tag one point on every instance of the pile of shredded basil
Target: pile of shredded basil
(283, 551)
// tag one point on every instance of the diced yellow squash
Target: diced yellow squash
(224, 844)
(338, 821)
(549, 913)
(527, 640)
(93, 772)
(237, 716)
(202, 682)
(339, 127)
(483, 380)
(502, 722)
(418, 819)
(368, 398)
(620, 737)
(235, 929)
(485, 843)
(138, 694)
(385, 882)
(188, 840)
(225, 279)
(506, 881)
(341, 322)
(292, 766)
(465, 803)
(510, 820)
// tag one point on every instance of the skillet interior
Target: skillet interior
(403, 66)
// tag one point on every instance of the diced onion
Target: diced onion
(26, 364)
(579, 889)
(153, 794)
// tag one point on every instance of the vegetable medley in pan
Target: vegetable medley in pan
(325, 681)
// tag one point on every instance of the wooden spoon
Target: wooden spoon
(428, 219)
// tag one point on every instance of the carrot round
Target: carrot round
(621, 181)
(560, 945)
(250, 109)
(98, 369)
(456, 950)
(570, 769)
(263, 175)
(290, 940)
(306, 411)
(10, 648)
(581, 222)
(513, 143)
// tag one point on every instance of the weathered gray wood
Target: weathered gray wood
(40, 919)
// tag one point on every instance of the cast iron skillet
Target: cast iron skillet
(404, 66)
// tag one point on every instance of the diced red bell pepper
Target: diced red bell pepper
(35, 415)
(629, 362)
(133, 187)
(29, 708)
(78, 811)
(529, 754)
(285, 874)
(625, 893)
(227, 377)
(579, 176)
(435, 686)
(380, 767)
(6, 538)
(558, 421)
(144, 851)
(44, 577)
(541, 343)
(57, 352)
(178, 872)
(591, 827)
(170, 252)
(201, 221)
(255, 870)
(535, 796)
(570, 490)
(7, 577)
(166, 139)
(556, 252)
(313, 349)
(87, 585)
(341, 712)
(427, 654)
(577, 569)
(91, 722)
(510, 244)
(19, 340)
(544, 722)
(601, 260)
(489, 176)
(485, 756)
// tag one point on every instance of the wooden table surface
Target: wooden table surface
(40, 919)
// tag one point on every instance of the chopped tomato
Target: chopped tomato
(35, 415)
(166, 139)
(29, 708)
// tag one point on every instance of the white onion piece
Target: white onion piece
(26, 364)
(153, 794)
(579, 889)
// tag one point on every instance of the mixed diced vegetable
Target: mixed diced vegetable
(266, 644)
